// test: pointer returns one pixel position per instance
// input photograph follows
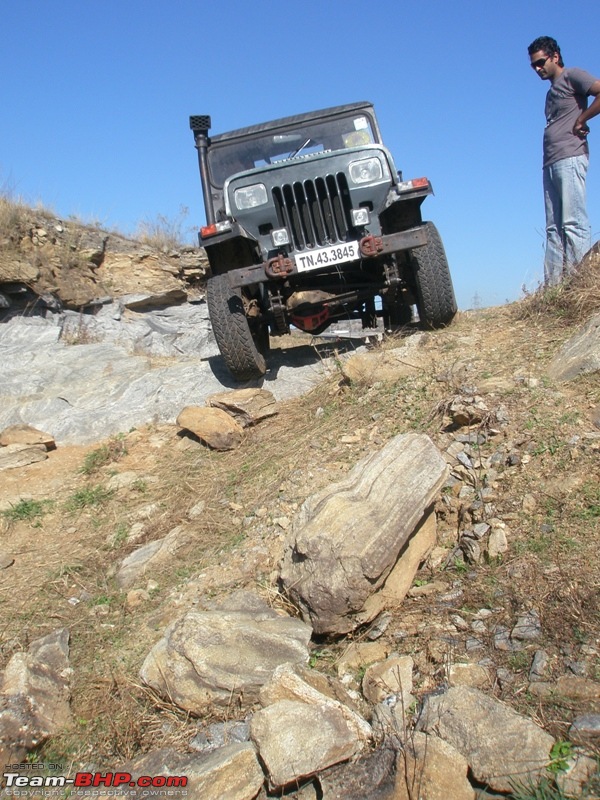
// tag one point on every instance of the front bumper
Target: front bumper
(281, 267)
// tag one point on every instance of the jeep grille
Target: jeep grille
(317, 212)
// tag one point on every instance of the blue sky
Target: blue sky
(96, 97)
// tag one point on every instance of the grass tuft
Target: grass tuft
(89, 497)
(27, 510)
(107, 453)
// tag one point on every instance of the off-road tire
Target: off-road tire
(238, 346)
(436, 302)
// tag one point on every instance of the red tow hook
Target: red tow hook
(371, 246)
(279, 267)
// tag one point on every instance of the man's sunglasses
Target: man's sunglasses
(540, 62)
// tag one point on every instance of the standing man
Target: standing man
(566, 155)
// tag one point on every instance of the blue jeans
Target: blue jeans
(568, 233)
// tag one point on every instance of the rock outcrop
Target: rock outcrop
(50, 262)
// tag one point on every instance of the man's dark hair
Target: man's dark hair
(547, 45)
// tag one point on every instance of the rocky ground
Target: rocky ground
(507, 604)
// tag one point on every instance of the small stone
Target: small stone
(450, 597)
(585, 726)
(464, 460)
(502, 640)
(215, 427)
(197, 510)
(539, 666)
(136, 597)
(390, 677)
(472, 644)
(480, 529)
(379, 627)
(497, 543)
(504, 676)
(13, 456)
(459, 623)
(26, 434)
(478, 626)
(528, 627)
(474, 675)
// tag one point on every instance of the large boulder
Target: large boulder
(231, 772)
(499, 744)
(579, 355)
(223, 657)
(35, 696)
(431, 768)
(213, 426)
(304, 728)
(347, 539)
(296, 740)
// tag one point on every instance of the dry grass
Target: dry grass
(573, 301)
(583, 290)
(165, 233)
(14, 215)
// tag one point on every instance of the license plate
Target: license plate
(327, 256)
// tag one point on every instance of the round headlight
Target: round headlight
(366, 170)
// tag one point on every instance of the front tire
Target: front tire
(238, 342)
(436, 302)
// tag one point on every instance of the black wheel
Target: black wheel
(435, 294)
(240, 340)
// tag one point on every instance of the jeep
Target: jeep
(308, 222)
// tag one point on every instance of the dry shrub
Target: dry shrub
(13, 217)
(164, 233)
(574, 301)
(583, 290)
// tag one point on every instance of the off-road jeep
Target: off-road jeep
(308, 221)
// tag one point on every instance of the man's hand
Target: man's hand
(580, 129)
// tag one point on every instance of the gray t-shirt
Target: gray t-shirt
(566, 99)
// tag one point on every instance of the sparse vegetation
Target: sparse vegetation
(108, 453)
(165, 233)
(27, 510)
(573, 301)
(88, 497)
(13, 215)
(545, 790)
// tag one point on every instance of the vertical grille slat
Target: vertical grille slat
(316, 212)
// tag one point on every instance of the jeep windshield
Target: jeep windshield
(301, 141)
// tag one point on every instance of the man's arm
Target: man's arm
(580, 128)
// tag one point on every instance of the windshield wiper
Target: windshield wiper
(302, 146)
